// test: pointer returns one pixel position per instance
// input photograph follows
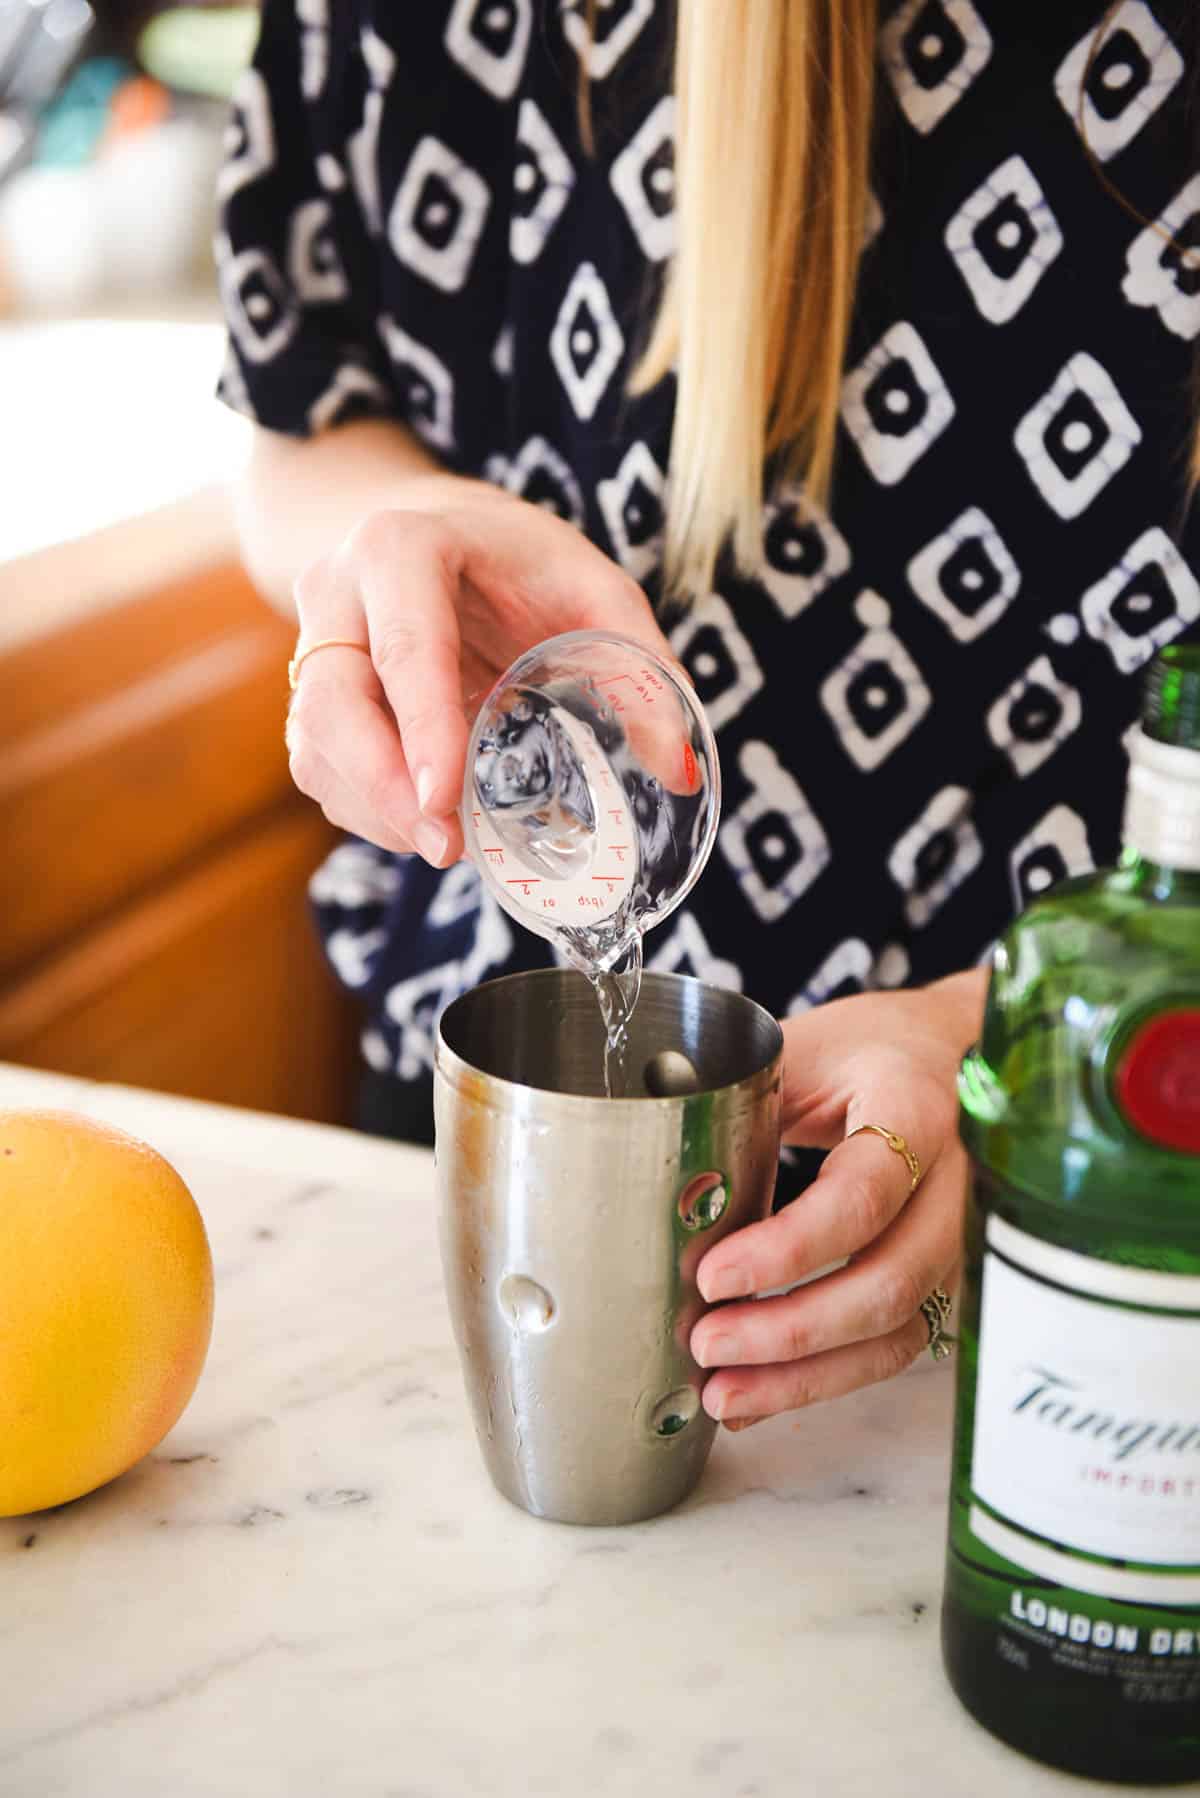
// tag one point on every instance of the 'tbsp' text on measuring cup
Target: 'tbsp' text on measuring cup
(592, 791)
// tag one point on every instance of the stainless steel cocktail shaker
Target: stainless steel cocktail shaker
(572, 1226)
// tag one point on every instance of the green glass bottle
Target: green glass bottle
(1071, 1622)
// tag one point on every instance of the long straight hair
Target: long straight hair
(774, 102)
(774, 110)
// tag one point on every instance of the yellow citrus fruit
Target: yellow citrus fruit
(106, 1296)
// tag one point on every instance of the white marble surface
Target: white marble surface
(310, 1588)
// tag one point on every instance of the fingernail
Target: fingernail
(424, 784)
(719, 1351)
(743, 1423)
(725, 1283)
(429, 840)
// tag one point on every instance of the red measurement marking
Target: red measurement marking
(496, 854)
(523, 884)
(619, 849)
(619, 816)
(477, 816)
(549, 904)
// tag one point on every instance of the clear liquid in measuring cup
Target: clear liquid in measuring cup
(591, 805)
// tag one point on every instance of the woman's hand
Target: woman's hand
(443, 592)
(884, 1058)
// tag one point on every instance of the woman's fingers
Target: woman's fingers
(346, 755)
(790, 1386)
(861, 1188)
(876, 1294)
(409, 567)
(343, 808)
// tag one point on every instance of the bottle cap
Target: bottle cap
(1171, 710)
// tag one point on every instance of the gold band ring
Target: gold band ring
(898, 1146)
(301, 656)
(936, 1311)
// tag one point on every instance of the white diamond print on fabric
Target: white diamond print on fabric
(375, 1051)
(1148, 599)
(426, 385)
(314, 266)
(1055, 849)
(438, 215)
(540, 475)
(249, 142)
(459, 895)
(1035, 715)
(354, 876)
(719, 660)
(1003, 239)
(965, 576)
(1163, 264)
(876, 697)
(586, 342)
(258, 303)
(933, 858)
(502, 353)
(631, 504)
(643, 179)
(362, 147)
(542, 183)
(845, 971)
(353, 953)
(616, 23)
(773, 842)
(685, 950)
(1077, 437)
(489, 38)
(416, 1004)
(352, 391)
(803, 551)
(892, 966)
(330, 173)
(932, 51)
(895, 404)
(314, 46)
(1112, 82)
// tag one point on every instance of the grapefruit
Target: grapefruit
(106, 1296)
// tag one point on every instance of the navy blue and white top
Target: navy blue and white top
(919, 698)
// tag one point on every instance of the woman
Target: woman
(931, 270)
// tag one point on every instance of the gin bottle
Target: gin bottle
(1071, 1622)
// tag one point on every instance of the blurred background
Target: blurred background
(153, 854)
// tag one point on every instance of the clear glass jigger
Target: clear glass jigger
(592, 793)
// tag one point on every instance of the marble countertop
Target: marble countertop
(311, 1588)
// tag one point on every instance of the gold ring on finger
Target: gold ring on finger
(936, 1311)
(897, 1144)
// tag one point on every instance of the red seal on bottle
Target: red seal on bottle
(1157, 1082)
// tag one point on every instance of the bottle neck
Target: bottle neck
(1162, 807)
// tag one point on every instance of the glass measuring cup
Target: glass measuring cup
(592, 794)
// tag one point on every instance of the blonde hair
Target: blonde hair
(774, 108)
(774, 103)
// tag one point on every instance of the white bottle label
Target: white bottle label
(1087, 1419)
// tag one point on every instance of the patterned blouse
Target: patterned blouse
(919, 699)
